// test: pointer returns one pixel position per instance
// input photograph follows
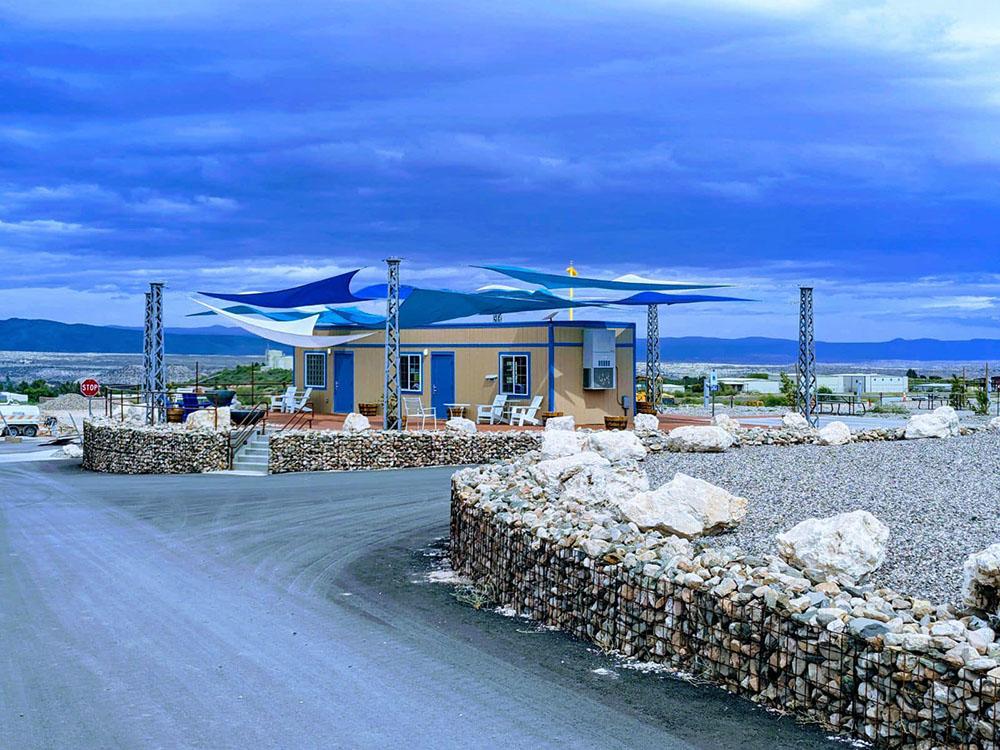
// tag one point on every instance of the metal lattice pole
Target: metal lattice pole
(653, 354)
(805, 390)
(147, 359)
(391, 402)
(153, 355)
(497, 317)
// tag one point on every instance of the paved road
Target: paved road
(280, 612)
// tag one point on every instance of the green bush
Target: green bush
(889, 409)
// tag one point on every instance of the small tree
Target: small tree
(982, 402)
(788, 390)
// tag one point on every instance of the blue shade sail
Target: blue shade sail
(380, 291)
(334, 290)
(562, 281)
(657, 298)
(427, 306)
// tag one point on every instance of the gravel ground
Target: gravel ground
(939, 498)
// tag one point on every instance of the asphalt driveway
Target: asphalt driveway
(281, 612)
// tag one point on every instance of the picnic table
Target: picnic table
(835, 403)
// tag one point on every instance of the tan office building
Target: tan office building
(582, 368)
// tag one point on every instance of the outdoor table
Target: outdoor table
(456, 410)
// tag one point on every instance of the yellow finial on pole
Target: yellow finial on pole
(572, 272)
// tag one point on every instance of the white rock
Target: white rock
(700, 439)
(981, 579)
(835, 433)
(207, 418)
(981, 638)
(926, 426)
(563, 467)
(994, 425)
(950, 416)
(646, 423)
(560, 423)
(852, 544)
(355, 422)
(727, 423)
(72, 450)
(460, 424)
(685, 506)
(557, 443)
(603, 485)
(795, 421)
(595, 548)
(617, 445)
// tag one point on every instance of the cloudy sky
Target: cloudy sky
(215, 145)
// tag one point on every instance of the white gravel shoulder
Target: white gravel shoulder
(939, 498)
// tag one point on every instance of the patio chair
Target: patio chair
(522, 415)
(190, 404)
(492, 412)
(415, 409)
(298, 404)
(278, 402)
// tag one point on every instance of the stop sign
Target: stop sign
(90, 388)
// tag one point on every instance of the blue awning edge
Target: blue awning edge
(330, 291)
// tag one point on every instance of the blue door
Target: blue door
(442, 382)
(343, 382)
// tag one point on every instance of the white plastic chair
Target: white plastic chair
(416, 410)
(492, 411)
(293, 404)
(278, 402)
(522, 415)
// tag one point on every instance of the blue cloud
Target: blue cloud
(759, 142)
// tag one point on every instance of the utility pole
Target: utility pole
(653, 355)
(805, 387)
(392, 420)
(154, 370)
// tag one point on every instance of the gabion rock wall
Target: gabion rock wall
(751, 645)
(315, 450)
(123, 448)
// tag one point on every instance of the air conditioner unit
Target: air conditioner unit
(599, 359)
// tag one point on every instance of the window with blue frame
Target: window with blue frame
(514, 375)
(315, 370)
(411, 373)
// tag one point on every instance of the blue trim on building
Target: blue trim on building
(448, 345)
(523, 324)
(500, 356)
(305, 369)
(634, 365)
(552, 367)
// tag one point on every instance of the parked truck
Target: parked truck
(17, 417)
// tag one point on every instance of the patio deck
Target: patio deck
(336, 422)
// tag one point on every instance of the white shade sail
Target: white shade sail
(288, 332)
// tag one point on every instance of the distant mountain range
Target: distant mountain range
(767, 351)
(19, 334)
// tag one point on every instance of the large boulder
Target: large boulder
(603, 485)
(835, 433)
(852, 544)
(206, 418)
(354, 422)
(560, 423)
(646, 423)
(794, 421)
(950, 416)
(926, 426)
(686, 507)
(727, 423)
(981, 580)
(563, 467)
(700, 439)
(617, 445)
(72, 450)
(557, 443)
(994, 425)
(460, 424)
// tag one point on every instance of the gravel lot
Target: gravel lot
(939, 498)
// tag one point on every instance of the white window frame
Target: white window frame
(404, 372)
(515, 391)
(305, 370)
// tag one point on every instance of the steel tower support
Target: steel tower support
(805, 388)
(390, 400)
(153, 359)
(497, 317)
(653, 354)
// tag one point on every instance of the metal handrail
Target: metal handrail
(239, 437)
(301, 416)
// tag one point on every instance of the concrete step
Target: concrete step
(243, 465)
